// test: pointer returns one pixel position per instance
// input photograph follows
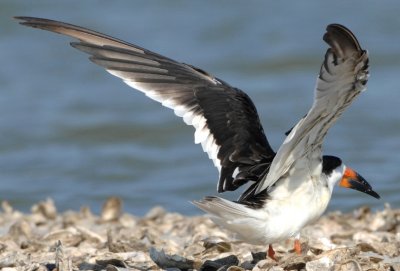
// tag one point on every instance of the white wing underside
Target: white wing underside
(202, 134)
(339, 82)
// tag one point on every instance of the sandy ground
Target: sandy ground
(79, 240)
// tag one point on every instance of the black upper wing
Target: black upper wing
(226, 121)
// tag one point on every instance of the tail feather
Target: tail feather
(248, 224)
(225, 209)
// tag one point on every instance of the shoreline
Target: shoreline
(80, 240)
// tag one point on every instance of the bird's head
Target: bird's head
(338, 173)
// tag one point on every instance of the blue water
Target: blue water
(72, 132)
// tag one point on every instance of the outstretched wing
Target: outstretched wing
(343, 75)
(226, 121)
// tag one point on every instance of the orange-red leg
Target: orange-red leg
(297, 246)
(271, 253)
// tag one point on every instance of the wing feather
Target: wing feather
(226, 121)
(343, 76)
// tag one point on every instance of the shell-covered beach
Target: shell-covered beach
(113, 240)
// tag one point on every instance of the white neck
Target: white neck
(335, 176)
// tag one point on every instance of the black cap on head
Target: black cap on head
(329, 163)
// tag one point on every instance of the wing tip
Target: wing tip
(32, 21)
(342, 41)
(25, 20)
(22, 18)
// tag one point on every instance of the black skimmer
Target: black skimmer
(288, 189)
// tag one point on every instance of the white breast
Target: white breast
(294, 203)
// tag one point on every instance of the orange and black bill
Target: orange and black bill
(353, 180)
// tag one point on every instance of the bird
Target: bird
(285, 190)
